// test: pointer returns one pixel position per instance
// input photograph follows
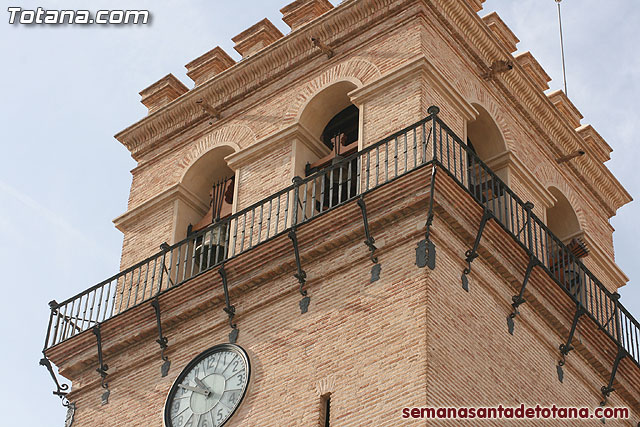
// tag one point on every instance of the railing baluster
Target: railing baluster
(253, 220)
(146, 278)
(322, 191)
(260, 224)
(340, 184)
(304, 199)
(52, 335)
(135, 299)
(106, 303)
(349, 179)
(313, 197)
(91, 319)
(386, 161)
(331, 188)
(65, 322)
(405, 153)
(244, 226)
(278, 215)
(227, 236)
(424, 144)
(269, 217)
(377, 165)
(235, 231)
(286, 211)
(368, 171)
(415, 148)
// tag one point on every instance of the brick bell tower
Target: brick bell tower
(246, 296)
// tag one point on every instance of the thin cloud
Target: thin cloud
(53, 218)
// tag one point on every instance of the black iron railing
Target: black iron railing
(429, 141)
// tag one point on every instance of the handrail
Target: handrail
(326, 189)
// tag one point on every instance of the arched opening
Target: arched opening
(206, 171)
(563, 222)
(212, 183)
(325, 105)
(562, 219)
(334, 120)
(484, 135)
(486, 143)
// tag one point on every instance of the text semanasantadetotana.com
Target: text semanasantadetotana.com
(518, 412)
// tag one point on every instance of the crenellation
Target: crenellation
(209, 65)
(300, 12)
(595, 144)
(564, 105)
(162, 92)
(256, 38)
(501, 31)
(476, 5)
(534, 70)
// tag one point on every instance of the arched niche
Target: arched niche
(197, 184)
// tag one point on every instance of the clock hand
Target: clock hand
(202, 384)
(195, 389)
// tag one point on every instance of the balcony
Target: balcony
(428, 144)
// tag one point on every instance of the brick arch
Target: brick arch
(235, 136)
(483, 99)
(550, 177)
(474, 94)
(356, 70)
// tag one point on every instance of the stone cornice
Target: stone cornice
(264, 146)
(175, 192)
(243, 78)
(484, 48)
(419, 66)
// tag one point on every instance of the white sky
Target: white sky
(66, 90)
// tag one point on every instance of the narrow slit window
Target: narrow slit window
(325, 410)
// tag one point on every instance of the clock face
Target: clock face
(208, 391)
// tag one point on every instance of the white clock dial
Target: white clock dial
(210, 388)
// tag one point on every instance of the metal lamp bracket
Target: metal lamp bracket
(426, 250)
(102, 367)
(518, 300)
(567, 347)
(608, 389)
(61, 389)
(472, 253)
(301, 275)
(229, 309)
(162, 340)
(370, 241)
